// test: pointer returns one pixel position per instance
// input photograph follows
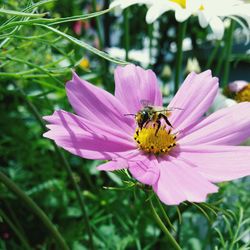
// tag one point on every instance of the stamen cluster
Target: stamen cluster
(152, 140)
(243, 95)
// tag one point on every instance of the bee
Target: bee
(153, 114)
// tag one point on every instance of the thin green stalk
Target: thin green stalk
(222, 56)
(35, 209)
(78, 193)
(67, 168)
(18, 13)
(165, 214)
(179, 54)
(28, 8)
(172, 241)
(126, 30)
(213, 54)
(228, 49)
(105, 63)
(180, 210)
(14, 218)
(15, 230)
(151, 37)
(99, 28)
(37, 67)
(52, 21)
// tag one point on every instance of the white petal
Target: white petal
(126, 3)
(202, 19)
(193, 5)
(155, 11)
(217, 27)
(182, 14)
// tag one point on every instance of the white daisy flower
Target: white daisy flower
(209, 12)
(183, 8)
(212, 13)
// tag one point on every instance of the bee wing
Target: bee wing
(145, 103)
(173, 108)
(161, 109)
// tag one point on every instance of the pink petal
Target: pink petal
(179, 182)
(194, 98)
(145, 170)
(85, 138)
(217, 163)
(64, 118)
(97, 105)
(134, 84)
(237, 86)
(227, 126)
(119, 163)
(114, 165)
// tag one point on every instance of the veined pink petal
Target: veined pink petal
(217, 163)
(179, 182)
(88, 140)
(113, 165)
(134, 84)
(121, 162)
(97, 105)
(229, 126)
(194, 98)
(145, 170)
(66, 119)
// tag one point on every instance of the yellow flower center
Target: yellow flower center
(158, 142)
(244, 94)
(182, 3)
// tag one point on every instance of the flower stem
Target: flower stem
(99, 28)
(35, 209)
(213, 54)
(67, 167)
(179, 54)
(151, 37)
(15, 230)
(126, 27)
(172, 241)
(228, 49)
(165, 215)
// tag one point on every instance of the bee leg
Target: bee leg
(158, 126)
(145, 124)
(166, 120)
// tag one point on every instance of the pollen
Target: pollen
(244, 94)
(155, 142)
(182, 3)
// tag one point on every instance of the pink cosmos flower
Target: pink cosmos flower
(180, 163)
(237, 86)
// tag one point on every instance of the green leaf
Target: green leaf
(52, 21)
(84, 45)
(18, 13)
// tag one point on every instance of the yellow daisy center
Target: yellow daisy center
(244, 94)
(182, 3)
(156, 142)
